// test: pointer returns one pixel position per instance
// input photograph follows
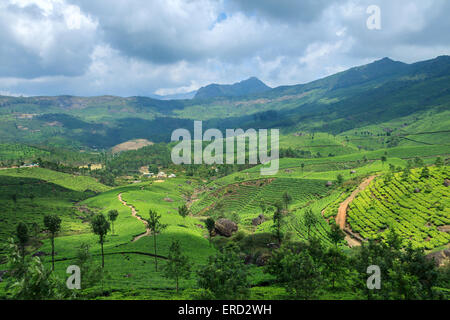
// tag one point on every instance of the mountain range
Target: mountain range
(385, 93)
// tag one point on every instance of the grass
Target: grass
(130, 265)
(69, 181)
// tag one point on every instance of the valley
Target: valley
(363, 179)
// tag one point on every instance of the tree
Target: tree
(29, 279)
(425, 173)
(336, 234)
(277, 223)
(112, 216)
(418, 162)
(90, 275)
(156, 227)
(53, 225)
(383, 160)
(439, 163)
(177, 265)
(406, 273)
(296, 270)
(153, 168)
(263, 206)
(210, 225)
(310, 221)
(406, 173)
(225, 276)
(340, 179)
(335, 266)
(23, 237)
(303, 167)
(388, 177)
(183, 211)
(287, 199)
(100, 226)
(14, 199)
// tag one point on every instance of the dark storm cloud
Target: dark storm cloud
(283, 10)
(133, 47)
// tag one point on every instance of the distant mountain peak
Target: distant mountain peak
(251, 85)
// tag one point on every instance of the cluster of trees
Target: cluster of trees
(306, 269)
(129, 162)
(294, 153)
(309, 270)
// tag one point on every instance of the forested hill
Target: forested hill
(250, 86)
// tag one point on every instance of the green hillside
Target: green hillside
(363, 180)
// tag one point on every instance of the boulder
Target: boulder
(447, 182)
(258, 220)
(439, 257)
(225, 227)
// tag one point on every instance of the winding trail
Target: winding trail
(134, 214)
(341, 217)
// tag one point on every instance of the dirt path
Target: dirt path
(342, 211)
(341, 217)
(134, 214)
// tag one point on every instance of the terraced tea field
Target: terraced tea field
(417, 207)
(245, 198)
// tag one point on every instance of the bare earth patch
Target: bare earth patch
(131, 145)
(445, 228)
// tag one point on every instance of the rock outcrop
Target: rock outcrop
(225, 227)
(258, 220)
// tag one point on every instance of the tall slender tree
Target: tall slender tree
(112, 216)
(156, 227)
(177, 265)
(210, 225)
(183, 211)
(287, 199)
(278, 222)
(310, 221)
(53, 225)
(336, 234)
(383, 160)
(23, 237)
(101, 226)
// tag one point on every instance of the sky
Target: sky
(131, 47)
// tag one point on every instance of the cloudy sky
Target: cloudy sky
(141, 47)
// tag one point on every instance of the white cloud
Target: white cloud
(131, 47)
